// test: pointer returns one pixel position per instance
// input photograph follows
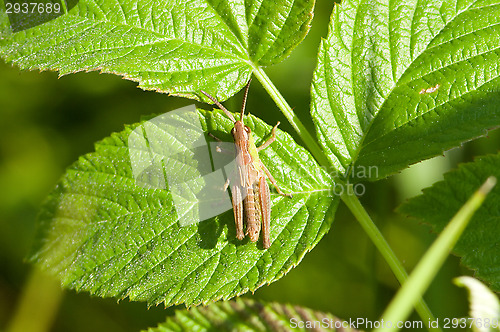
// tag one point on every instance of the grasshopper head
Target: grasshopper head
(240, 131)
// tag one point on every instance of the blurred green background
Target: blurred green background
(46, 122)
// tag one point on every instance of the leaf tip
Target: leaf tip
(488, 185)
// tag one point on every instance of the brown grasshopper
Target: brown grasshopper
(251, 175)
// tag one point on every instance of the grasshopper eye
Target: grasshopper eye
(232, 131)
(247, 130)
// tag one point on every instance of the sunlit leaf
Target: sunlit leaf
(401, 81)
(177, 47)
(99, 231)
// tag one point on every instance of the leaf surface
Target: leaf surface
(249, 315)
(177, 47)
(401, 81)
(478, 245)
(100, 232)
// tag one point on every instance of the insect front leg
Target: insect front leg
(218, 147)
(226, 184)
(270, 140)
(215, 137)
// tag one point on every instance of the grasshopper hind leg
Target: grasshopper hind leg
(264, 202)
(238, 211)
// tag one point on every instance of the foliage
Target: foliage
(100, 232)
(395, 83)
(403, 81)
(479, 244)
(176, 47)
(248, 315)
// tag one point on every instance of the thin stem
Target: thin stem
(292, 118)
(64, 7)
(350, 200)
(383, 247)
(423, 274)
(38, 305)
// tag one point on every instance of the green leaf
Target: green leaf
(421, 277)
(401, 81)
(100, 232)
(176, 47)
(478, 245)
(484, 304)
(249, 315)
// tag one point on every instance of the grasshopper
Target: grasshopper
(251, 177)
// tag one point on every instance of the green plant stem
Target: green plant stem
(383, 247)
(350, 200)
(38, 304)
(65, 9)
(287, 111)
(420, 279)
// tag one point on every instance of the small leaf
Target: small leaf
(177, 47)
(401, 81)
(100, 232)
(249, 315)
(478, 245)
(484, 305)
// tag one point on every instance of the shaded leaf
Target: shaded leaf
(401, 81)
(249, 315)
(478, 246)
(100, 232)
(177, 47)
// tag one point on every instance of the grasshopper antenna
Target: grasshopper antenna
(219, 105)
(245, 100)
